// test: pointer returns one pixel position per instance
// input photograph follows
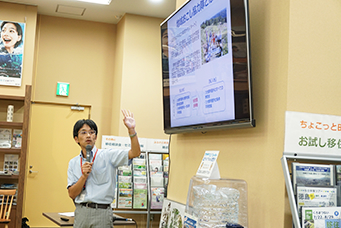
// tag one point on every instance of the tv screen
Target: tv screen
(206, 67)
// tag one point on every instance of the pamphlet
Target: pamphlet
(125, 198)
(321, 217)
(124, 167)
(139, 164)
(190, 221)
(17, 138)
(5, 137)
(316, 197)
(140, 198)
(125, 179)
(139, 173)
(124, 172)
(165, 165)
(312, 174)
(155, 156)
(125, 185)
(140, 179)
(11, 163)
(157, 198)
(67, 214)
(124, 202)
(156, 179)
(140, 185)
(155, 165)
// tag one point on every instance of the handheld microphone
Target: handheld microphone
(88, 152)
(121, 219)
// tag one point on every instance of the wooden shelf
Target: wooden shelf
(11, 124)
(11, 98)
(19, 102)
(10, 150)
(10, 177)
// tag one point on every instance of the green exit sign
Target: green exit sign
(63, 89)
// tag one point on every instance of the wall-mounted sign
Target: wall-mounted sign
(11, 52)
(62, 89)
(309, 134)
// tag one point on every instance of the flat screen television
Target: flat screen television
(206, 67)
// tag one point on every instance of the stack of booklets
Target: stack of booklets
(140, 183)
(124, 185)
(317, 194)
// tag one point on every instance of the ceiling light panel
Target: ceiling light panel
(79, 11)
(104, 2)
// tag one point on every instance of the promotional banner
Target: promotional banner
(150, 145)
(11, 52)
(312, 134)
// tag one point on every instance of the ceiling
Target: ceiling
(101, 13)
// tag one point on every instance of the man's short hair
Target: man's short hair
(79, 124)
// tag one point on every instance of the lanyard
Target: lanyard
(82, 164)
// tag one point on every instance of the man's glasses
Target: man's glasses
(91, 132)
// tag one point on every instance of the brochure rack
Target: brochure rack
(149, 176)
(152, 167)
(286, 160)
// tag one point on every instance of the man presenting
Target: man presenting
(91, 185)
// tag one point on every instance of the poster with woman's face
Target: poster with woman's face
(11, 52)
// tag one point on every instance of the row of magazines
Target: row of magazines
(317, 189)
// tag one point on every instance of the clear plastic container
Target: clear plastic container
(217, 202)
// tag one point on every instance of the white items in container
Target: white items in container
(10, 111)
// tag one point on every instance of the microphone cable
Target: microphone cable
(135, 222)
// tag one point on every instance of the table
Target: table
(56, 218)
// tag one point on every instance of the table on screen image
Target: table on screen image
(56, 218)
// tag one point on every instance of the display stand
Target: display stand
(149, 196)
(296, 157)
(149, 147)
(309, 138)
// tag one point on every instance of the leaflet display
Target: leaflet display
(133, 187)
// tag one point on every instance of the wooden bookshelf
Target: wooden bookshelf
(19, 103)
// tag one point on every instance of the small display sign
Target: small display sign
(209, 167)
